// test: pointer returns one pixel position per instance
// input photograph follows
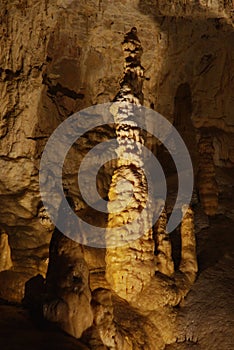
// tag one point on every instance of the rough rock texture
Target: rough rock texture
(164, 261)
(207, 313)
(5, 253)
(120, 326)
(67, 287)
(129, 268)
(44, 43)
(57, 57)
(207, 184)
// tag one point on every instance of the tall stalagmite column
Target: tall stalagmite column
(164, 262)
(188, 263)
(130, 266)
(131, 263)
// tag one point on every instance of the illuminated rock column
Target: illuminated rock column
(188, 264)
(130, 266)
(164, 262)
(5, 253)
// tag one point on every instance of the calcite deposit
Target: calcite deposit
(140, 279)
(207, 184)
(130, 267)
(5, 253)
(60, 56)
(68, 295)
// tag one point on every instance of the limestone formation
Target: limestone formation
(122, 327)
(147, 282)
(124, 264)
(67, 287)
(5, 253)
(44, 43)
(60, 56)
(140, 273)
(188, 264)
(131, 267)
(164, 262)
(207, 184)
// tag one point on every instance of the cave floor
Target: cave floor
(205, 319)
(18, 332)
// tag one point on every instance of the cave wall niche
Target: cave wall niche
(183, 122)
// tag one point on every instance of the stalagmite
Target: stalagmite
(164, 262)
(68, 295)
(5, 253)
(134, 273)
(207, 185)
(188, 264)
(141, 286)
(129, 268)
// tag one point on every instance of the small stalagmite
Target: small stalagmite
(5, 253)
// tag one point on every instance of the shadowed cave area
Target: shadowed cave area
(161, 290)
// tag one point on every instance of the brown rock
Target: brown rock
(67, 286)
(5, 253)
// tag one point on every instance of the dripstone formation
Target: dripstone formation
(58, 57)
(130, 267)
(140, 285)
